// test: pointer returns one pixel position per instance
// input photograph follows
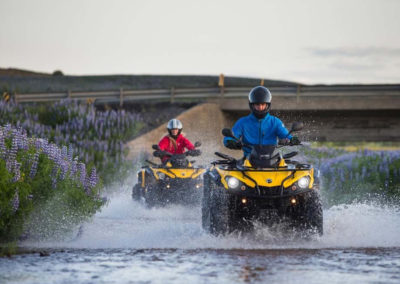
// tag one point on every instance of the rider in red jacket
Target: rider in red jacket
(175, 142)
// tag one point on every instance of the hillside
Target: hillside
(23, 81)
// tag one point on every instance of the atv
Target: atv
(174, 181)
(266, 186)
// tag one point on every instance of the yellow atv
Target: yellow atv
(266, 186)
(174, 181)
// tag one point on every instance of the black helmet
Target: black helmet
(174, 124)
(259, 95)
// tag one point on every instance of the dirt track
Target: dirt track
(202, 123)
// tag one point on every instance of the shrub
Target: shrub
(34, 172)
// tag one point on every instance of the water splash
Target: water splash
(124, 223)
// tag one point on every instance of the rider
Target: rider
(175, 142)
(259, 127)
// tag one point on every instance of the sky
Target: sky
(307, 41)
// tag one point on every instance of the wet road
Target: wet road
(127, 243)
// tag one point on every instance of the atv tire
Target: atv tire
(137, 192)
(216, 208)
(151, 196)
(205, 204)
(312, 215)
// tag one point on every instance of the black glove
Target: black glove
(194, 152)
(234, 145)
(295, 141)
(158, 153)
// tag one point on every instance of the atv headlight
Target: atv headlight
(232, 182)
(303, 182)
(161, 175)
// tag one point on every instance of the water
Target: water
(127, 243)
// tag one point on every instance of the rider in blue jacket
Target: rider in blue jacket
(259, 127)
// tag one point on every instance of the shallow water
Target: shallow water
(127, 243)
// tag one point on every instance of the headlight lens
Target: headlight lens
(161, 175)
(303, 182)
(232, 182)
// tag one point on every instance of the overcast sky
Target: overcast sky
(307, 41)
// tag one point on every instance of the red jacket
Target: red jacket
(167, 144)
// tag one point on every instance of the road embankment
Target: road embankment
(202, 123)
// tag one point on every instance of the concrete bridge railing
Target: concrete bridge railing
(289, 98)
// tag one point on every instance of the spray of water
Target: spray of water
(124, 223)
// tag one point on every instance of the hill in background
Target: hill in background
(23, 81)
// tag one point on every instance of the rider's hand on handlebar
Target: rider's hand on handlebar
(294, 141)
(234, 145)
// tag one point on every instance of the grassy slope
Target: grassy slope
(14, 80)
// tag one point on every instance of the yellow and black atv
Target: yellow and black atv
(266, 186)
(175, 181)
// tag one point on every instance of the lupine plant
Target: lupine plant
(97, 136)
(352, 176)
(34, 172)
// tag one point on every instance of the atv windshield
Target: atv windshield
(264, 156)
(178, 161)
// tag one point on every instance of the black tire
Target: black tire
(216, 205)
(219, 212)
(151, 196)
(312, 214)
(137, 192)
(205, 204)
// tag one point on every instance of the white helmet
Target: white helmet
(174, 123)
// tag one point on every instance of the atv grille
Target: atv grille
(269, 191)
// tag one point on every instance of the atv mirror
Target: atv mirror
(296, 126)
(228, 133)
(197, 144)
(155, 147)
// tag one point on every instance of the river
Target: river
(128, 243)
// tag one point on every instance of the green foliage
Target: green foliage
(42, 210)
(53, 115)
(67, 206)
(360, 176)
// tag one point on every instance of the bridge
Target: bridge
(331, 113)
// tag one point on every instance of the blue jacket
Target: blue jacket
(254, 131)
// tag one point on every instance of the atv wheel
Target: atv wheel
(311, 215)
(151, 196)
(216, 208)
(205, 204)
(137, 192)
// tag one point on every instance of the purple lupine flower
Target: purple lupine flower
(93, 179)
(82, 174)
(64, 169)
(64, 152)
(74, 167)
(3, 150)
(15, 201)
(13, 151)
(16, 170)
(70, 153)
(54, 172)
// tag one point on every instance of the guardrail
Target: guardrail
(173, 94)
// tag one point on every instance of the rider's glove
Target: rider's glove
(195, 152)
(157, 153)
(234, 145)
(295, 141)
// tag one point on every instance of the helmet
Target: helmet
(174, 124)
(258, 95)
